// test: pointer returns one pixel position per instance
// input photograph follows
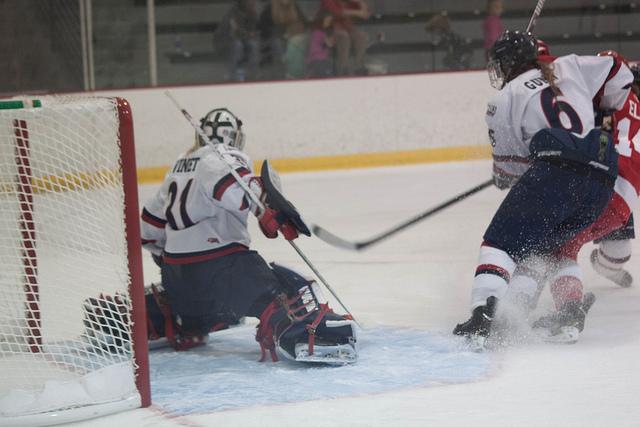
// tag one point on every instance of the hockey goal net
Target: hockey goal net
(69, 232)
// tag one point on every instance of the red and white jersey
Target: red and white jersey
(626, 134)
(527, 104)
(200, 211)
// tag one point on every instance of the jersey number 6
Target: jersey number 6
(552, 109)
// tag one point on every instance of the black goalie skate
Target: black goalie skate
(565, 325)
(477, 328)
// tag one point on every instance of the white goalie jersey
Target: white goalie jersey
(200, 211)
(527, 104)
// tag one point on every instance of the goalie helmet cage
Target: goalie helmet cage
(69, 231)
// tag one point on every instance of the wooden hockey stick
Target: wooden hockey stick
(334, 240)
(255, 199)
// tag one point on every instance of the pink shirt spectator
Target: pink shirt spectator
(318, 49)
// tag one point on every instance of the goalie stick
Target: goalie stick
(254, 198)
(334, 240)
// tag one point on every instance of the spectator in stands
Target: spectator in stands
(347, 35)
(282, 26)
(322, 40)
(458, 50)
(237, 36)
(492, 27)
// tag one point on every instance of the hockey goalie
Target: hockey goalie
(195, 227)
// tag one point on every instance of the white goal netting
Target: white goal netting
(63, 240)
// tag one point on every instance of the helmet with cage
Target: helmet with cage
(222, 127)
(512, 54)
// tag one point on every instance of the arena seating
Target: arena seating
(185, 28)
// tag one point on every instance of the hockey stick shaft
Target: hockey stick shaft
(334, 240)
(254, 198)
(324, 282)
(345, 244)
(534, 17)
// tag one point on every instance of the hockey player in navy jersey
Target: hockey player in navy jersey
(561, 169)
(195, 227)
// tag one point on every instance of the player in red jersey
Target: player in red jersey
(615, 249)
(608, 259)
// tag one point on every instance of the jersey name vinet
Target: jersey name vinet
(200, 211)
(186, 165)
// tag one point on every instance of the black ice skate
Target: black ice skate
(478, 327)
(620, 276)
(565, 325)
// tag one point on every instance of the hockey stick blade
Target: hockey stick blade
(333, 240)
(339, 242)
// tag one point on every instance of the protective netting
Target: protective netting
(62, 241)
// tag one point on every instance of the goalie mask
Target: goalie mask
(222, 127)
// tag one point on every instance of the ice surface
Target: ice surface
(417, 286)
(225, 374)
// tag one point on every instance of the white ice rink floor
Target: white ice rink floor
(417, 283)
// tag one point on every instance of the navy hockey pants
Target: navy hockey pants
(549, 205)
(223, 289)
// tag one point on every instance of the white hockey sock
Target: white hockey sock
(612, 255)
(493, 273)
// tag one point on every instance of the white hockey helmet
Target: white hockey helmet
(222, 127)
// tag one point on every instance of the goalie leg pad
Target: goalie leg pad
(180, 335)
(322, 337)
(106, 320)
(301, 328)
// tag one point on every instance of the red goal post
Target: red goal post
(69, 232)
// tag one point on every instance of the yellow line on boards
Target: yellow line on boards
(351, 161)
(65, 182)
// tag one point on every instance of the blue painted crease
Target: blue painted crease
(225, 374)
